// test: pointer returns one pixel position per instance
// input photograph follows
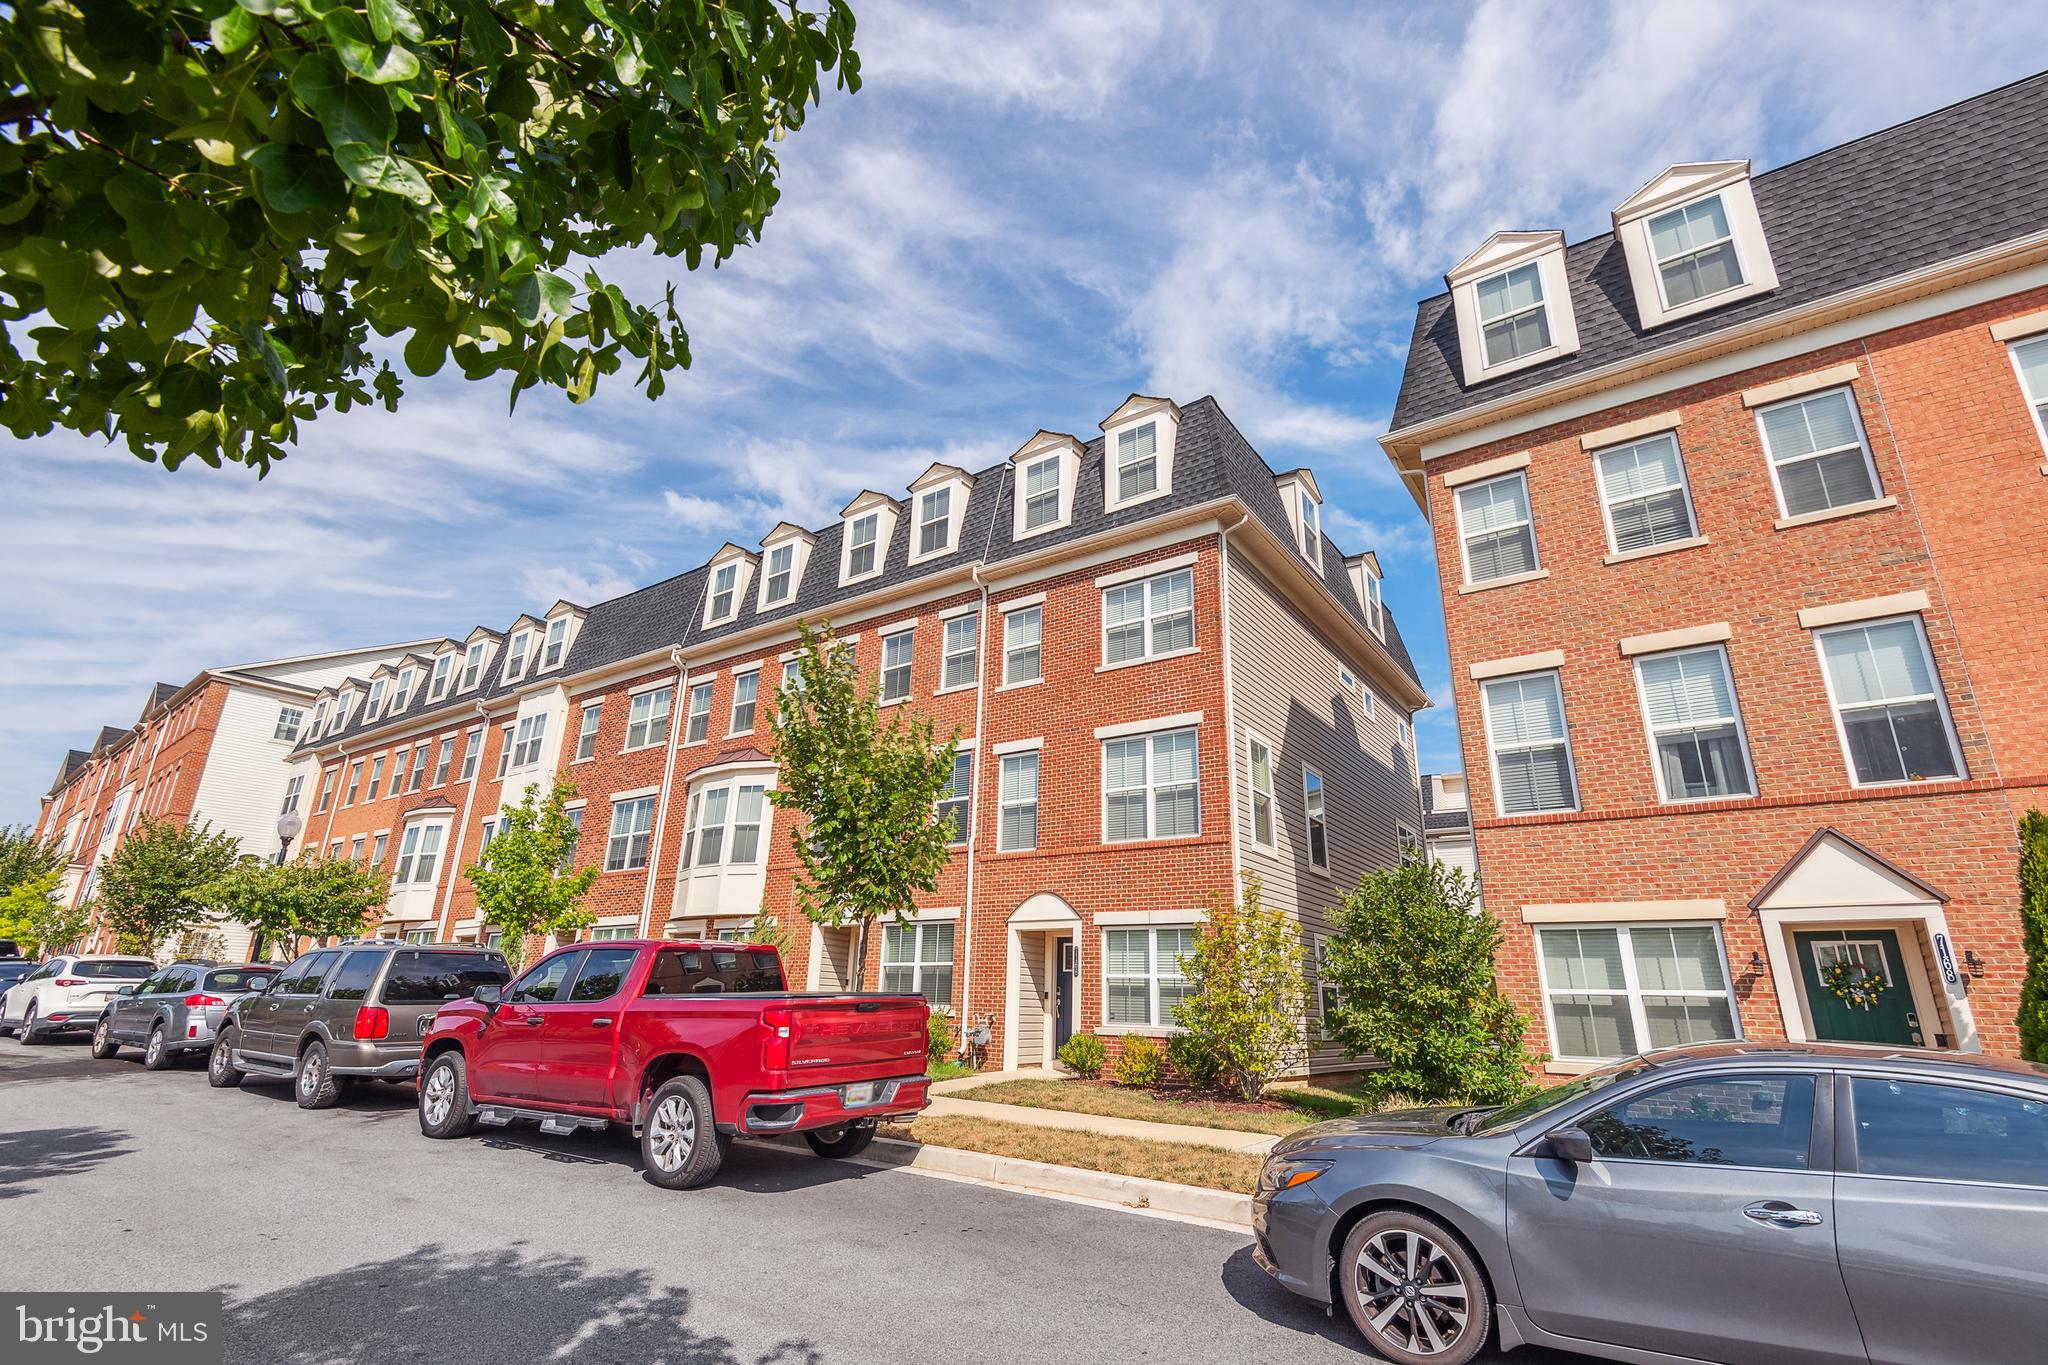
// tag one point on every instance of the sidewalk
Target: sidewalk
(945, 1102)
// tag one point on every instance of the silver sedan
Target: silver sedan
(1787, 1204)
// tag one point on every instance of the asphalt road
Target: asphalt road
(345, 1236)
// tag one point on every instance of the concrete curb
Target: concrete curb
(1037, 1177)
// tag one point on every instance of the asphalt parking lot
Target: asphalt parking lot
(344, 1236)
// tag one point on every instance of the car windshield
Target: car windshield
(1543, 1101)
(117, 971)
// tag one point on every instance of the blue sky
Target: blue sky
(1028, 212)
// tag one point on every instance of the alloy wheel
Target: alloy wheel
(672, 1133)
(156, 1046)
(1412, 1293)
(309, 1077)
(218, 1062)
(440, 1095)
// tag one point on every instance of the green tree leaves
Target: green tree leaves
(311, 897)
(208, 206)
(150, 887)
(526, 884)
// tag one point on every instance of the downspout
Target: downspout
(676, 709)
(462, 826)
(1230, 707)
(965, 944)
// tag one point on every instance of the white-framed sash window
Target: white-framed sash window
(1616, 990)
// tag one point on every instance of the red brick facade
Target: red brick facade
(1956, 446)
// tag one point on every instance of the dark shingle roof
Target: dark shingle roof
(1941, 186)
(1434, 820)
(1212, 460)
(110, 734)
(158, 695)
(74, 759)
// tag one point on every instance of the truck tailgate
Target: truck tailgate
(855, 1037)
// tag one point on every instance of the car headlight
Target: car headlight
(1279, 1174)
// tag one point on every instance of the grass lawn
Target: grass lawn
(1284, 1110)
(1181, 1163)
(947, 1071)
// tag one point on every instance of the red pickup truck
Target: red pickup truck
(689, 1043)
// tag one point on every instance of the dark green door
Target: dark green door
(1887, 1019)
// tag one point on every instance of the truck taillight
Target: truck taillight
(202, 1001)
(775, 1043)
(372, 1022)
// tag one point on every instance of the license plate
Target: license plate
(863, 1093)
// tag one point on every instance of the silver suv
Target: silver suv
(341, 1015)
(176, 1011)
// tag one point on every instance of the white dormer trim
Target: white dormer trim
(1676, 187)
(447, 667)
(345, 702)
(1502, 253)
(1368, 582)
(949, 486)
(799, 542)
(884, 510)
(380, 688)
(1304, 503)
(402, 690)
(728, 576)
(477, 651)
(522, 647)
(1130, 420)
(558, 635)
(1064, 454)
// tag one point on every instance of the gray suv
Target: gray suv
(341, 1015)
(178, 1010)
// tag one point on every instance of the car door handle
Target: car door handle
(530, 1020)
(601, 1022)
(1782, 1215)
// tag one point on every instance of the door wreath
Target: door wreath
(1853, 983)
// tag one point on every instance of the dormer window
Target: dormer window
(784, 554)
(348, 702)
(319, 718)
(939, 497)
(473, 664)
(1512, 319)
(870, 520)
(515, 654)
(376, 698)
(1375, 605)
(403, 693)
(934, 516)
(1042, 498)
(729, 570)
(862, 545)
(557, 642)
(1513, 305)
(1694, 251)
(1304, 503)
(1693, 241)
(437, 686)
(781, 575)
(1137, 443)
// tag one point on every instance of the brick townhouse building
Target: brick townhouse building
(1742, 527)
(1161, 670)
(216, 748)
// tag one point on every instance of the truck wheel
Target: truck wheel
(103, 1044)
(316, 1088)
(679, 1145)
(444, 1097)
(156, 1055)
(849, 1139)
(221, 1071)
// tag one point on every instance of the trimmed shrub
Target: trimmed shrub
(1193, 1060)
(2034, 934)
(1083, 1054)
(1138, 1061)
(938, 1038)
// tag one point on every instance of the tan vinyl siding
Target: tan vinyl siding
(1288, 688)
(1030, 990)
(835, 959)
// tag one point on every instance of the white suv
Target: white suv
(67, 994)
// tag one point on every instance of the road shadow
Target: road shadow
(512, 1304)
(33, 1155)
(753, 1167)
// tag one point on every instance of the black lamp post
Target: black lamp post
(288, 826)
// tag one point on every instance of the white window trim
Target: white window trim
(1464, 540)
(1636, 663)
(1948, 723)
(689, 860)
(1664, 304)
(1253, 737)
(1503, 252)
(1016, 749)
(1607, 500)
(589, 711)
(742, 566)
(1785, 515)
(668, 718)
(799, 548)
(1063, 494)
(1147, 733)
(1632, 988)
(1165, 439)
(478, 653)
(1571, 767)
(946, 655)
(568, 625)
(1308, 843)
(919, 964)
(401, 691)
(2037, 405)
(443, 674)
(518, 655)
(956, 507)
(1158, 1027)
(1679, 187)
(1147, 655)
(1007, 612)
(619, 801)
(885, 532)
(909, 667)
(732, 726)
(708, 689)
(531, 733)
(1375, 608)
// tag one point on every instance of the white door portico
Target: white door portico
(1035, 928)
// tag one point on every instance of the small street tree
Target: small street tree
(525, 883)
(310, 897)
(867, 790)
(2034, 935)
(28, 914)
(23, 857)
(1412, 959)
(148, 888)
(1246, 995)
(766, 929)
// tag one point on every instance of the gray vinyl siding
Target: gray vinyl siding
(1287, 687)
(1029, 990)
(1455, 850)
(835, 959)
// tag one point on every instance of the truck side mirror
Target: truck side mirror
(489, 996)
(1570, 1144)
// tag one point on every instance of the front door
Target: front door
(1063, 993)
(1845, 1011)
(1703, 1228)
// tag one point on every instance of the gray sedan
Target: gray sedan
(1766, 1204)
